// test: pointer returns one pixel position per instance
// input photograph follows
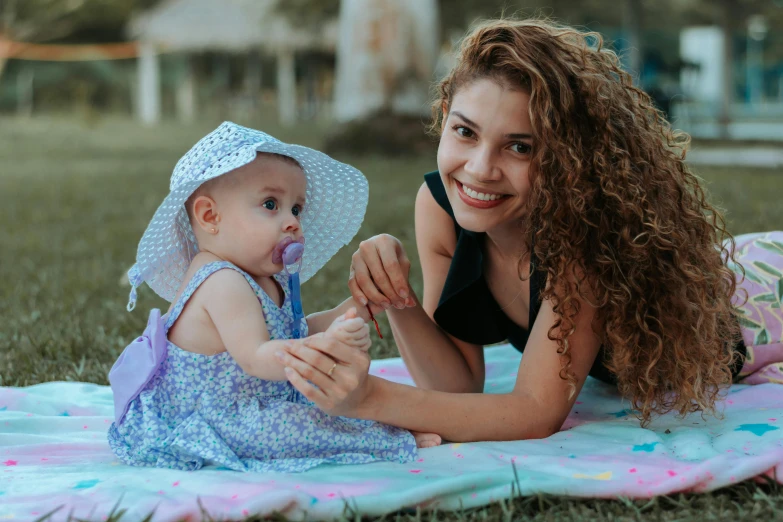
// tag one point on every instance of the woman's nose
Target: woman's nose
(481, 164)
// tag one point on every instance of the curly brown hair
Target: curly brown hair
(613, 199)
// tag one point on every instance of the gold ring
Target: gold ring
(329, 373)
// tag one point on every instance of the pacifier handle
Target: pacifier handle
(292, 261)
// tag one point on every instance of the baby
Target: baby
(202, 385)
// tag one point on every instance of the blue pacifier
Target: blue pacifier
(292, 261)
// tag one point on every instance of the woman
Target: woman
(562, 218)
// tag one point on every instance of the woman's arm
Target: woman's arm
(536, 408)
(435, 359)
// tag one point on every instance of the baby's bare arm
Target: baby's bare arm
(239, 320)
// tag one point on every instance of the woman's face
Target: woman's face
(484, 155)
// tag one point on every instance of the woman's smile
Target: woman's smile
(483, 198)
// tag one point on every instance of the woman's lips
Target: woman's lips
(478, 203)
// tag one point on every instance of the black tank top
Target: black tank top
(468, 311)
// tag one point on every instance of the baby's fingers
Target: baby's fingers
(361, 333)
(352, 325)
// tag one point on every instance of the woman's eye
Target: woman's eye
(521, 148)
(270, 204)
(463, 131)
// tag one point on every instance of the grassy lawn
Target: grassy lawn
(75, 199)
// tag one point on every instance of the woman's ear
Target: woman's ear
(206, 215)
(444, 108)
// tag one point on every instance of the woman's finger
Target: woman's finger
(318, 359)
(396, 266)
(379, 276)
(307, 389)
(365, 284)
(338, 351)
(316, 375)
(353, 287)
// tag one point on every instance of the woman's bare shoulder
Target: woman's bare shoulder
(434, 226)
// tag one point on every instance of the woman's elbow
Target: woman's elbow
(540, 422)
(543, 431)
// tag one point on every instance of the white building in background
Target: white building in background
(703, 84)
(386, 55)
(703, 48)
(231, 26)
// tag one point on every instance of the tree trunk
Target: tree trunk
(7, 18)
(386, 55)
(24, 83)
(148, 100)
(728, 8)
(186, 92)
(632, 27)
(286, 87)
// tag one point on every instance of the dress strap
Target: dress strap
(199, 277)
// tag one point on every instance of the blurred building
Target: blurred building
(250, 29)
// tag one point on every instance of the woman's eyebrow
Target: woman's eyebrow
(466, 120)
(513, 136)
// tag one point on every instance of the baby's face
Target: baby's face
(259, 207)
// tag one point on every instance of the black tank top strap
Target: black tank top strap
(438, 191)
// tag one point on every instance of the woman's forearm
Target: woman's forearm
(431, 357)
(464, 417)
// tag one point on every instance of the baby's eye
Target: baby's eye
(296, 210)
(270, 204)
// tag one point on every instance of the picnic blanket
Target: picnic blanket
(54, 456)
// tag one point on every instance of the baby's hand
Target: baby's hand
(351, 329)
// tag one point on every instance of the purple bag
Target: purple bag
(137, 364)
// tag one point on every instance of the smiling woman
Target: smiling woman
(484, 155)
(563, 219)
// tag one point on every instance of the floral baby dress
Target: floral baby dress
(182, 410)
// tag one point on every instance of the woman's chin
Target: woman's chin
(473, 221)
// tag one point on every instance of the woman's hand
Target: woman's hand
(379, 274)
(339, 371)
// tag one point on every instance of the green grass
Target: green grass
(75, 199)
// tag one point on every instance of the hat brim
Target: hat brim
(337, 196)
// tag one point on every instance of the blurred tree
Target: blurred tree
(386, 52)
(40, 21)
(308, 12)
(57, 20)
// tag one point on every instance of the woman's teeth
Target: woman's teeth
(480, 195)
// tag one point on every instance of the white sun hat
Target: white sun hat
(336, 202)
